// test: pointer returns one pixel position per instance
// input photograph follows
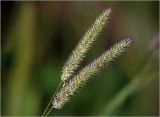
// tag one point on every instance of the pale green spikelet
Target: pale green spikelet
(85, 43)
(74, 83)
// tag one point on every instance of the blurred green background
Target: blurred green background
(37, 38)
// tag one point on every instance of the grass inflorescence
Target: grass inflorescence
(73, 81)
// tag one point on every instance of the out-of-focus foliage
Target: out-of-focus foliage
(37, 38)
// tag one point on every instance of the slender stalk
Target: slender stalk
(49, 111)
(51, 100)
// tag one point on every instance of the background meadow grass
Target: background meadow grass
(37, 38)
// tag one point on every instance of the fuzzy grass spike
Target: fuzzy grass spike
(85, 43)
(63, 95)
